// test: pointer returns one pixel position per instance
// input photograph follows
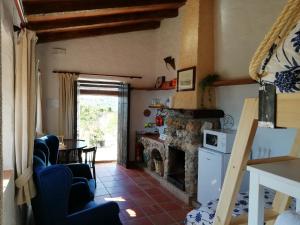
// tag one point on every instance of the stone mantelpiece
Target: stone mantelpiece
(184, 133)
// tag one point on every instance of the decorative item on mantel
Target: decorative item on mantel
(205, 84)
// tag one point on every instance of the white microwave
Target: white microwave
(219, 140)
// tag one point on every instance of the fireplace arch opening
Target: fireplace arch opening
(157, 163)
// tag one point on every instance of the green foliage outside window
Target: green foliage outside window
(89, 122)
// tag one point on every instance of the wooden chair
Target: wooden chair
(90, 157)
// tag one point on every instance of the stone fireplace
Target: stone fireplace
(179, 152)
(157, 162)
(176, 167)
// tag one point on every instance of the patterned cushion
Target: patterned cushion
(205, 214)
(282, 66)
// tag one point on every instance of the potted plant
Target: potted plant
(205, 84)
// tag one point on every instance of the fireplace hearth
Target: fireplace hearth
(176, 170)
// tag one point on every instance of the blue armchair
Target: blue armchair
(55, 205)
(53, 144)
(46, 148)
(51, 152)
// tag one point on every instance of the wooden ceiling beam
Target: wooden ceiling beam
(94, 26)
(101, 12)
(54, 6)
(88, 32)
(91, 20)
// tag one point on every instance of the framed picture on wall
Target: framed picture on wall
(186, 79)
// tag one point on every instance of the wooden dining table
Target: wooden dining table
(71, 147)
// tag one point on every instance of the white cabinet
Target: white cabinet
(211, 171)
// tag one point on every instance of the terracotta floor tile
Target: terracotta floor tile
(101, 199)
(146, 201)
(132, 213)
(139, 221)
(135, 192)
(121, 196)
(178, 215)
(101, 191)
(153, 191)
(142, 201)
(113, 178)
(99, 184)
(155, 182)
(170, 206)
(151, 209)
(126, 204)
(115, 190)
(116, 183)
(144, 185)
(162, 219)
(161, 198)
(107, 178)
(123, 218)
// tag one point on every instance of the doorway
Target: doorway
(100, 112)
(98, 124)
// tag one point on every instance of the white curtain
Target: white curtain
(66, 104)
(39, 112)
(25, 113)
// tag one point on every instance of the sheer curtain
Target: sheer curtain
(25, 113)
(66, 104)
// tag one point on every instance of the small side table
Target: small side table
(279, 176)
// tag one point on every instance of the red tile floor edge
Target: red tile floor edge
(142, 200)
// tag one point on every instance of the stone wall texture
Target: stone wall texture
(185, 133)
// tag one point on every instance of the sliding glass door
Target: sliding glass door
(103, 118)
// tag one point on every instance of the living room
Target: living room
(135, 50)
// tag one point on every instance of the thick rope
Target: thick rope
(281, 28)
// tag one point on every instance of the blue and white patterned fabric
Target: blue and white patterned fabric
(205, 214)
(282, 65)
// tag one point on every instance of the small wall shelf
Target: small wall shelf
(242, 81)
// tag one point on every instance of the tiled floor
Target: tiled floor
(141, 199)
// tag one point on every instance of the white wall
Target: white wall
(167, 38)
(8, 17)
(7, 54)
(240, 27)
(167, 44)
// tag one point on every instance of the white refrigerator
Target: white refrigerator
(212, 167)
